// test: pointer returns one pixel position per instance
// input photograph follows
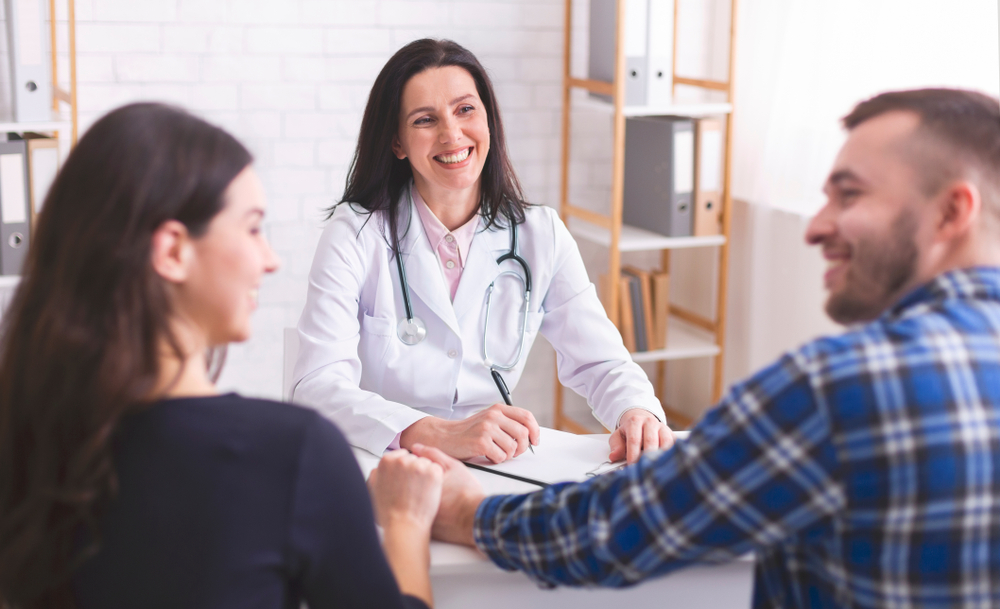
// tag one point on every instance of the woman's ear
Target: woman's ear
(172, 251)
(397, 148)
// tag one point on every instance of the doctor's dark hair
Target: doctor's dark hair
(376, 178)
(84, 335)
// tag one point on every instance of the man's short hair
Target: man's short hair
(958, 137)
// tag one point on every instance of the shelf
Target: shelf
(634, 239)
(684, 341)
(9, 281)
(57, 123)
(694, 109)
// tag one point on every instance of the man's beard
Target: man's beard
(877, 272)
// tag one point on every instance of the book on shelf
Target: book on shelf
(642, 307)
(625, 316)
(648, 49)
(661, 307)
(15, 209)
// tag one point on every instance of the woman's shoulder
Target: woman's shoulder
(221, 417)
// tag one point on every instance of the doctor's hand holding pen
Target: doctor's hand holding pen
(499, 433)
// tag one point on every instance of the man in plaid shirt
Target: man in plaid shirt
(862, 469)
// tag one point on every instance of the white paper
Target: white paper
(683, 161)
(711, 160)
(12, 191)
(559, 457)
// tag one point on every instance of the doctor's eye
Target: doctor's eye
(466, 108)
(423, 120)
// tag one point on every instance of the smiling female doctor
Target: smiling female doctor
(434, 240)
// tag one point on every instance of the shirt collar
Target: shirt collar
(976, 283)
(436, 230)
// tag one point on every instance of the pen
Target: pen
(505, 394)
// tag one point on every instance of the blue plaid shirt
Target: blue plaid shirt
(863, 470)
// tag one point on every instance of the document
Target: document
(558, 457)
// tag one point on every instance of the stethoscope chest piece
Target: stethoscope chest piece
(411, 331)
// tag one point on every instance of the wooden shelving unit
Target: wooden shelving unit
(690, 335)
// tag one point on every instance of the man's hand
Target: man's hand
(638, 430)
(461, 495)
(498, 433)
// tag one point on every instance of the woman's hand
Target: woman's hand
(498, 433)
(405, 490)
(461, 495)
(638, 430)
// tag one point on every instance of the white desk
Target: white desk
(462, 577)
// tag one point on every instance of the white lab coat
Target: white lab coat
(353, 368)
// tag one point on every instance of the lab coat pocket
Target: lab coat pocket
(376, 332)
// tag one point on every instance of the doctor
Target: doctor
(432, 239)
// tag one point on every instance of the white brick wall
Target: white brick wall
(290, 78)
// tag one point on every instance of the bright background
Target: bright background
(290, 78)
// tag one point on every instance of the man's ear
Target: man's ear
(172, 251)
(959, 207)
(397, 148)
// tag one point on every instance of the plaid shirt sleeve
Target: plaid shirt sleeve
(759, 467)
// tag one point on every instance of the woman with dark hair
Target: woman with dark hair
(126, 480)
(434, 276)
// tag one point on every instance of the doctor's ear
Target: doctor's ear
(172, 251)
(397, 148)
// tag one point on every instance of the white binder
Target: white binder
(660, 53)
(30, 72)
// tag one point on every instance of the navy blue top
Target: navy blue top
(227, 501)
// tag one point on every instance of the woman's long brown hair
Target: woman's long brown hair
(80, 345)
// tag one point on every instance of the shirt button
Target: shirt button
(449, 238)
(452, 354)
(450, 264)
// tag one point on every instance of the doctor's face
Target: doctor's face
(443, 130)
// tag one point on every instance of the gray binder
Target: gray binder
(601, 59)
(659, 174)
(14, 210)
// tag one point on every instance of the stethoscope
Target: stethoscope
(411, 329)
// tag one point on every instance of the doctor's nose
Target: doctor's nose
(450, 131)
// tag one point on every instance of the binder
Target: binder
(643, 281)
(659, 174)
(660, 53)
(14, 212)
(661, 307)
(601, 58)
(707, 177)
(31, 79)
(627, 326)
(43, 164)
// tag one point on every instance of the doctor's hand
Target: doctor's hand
(461, 495)
(498, 433)
(638, 430)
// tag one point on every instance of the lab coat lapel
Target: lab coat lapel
(423, 270)
(480, 270)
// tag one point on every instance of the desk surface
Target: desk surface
(449, 558)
